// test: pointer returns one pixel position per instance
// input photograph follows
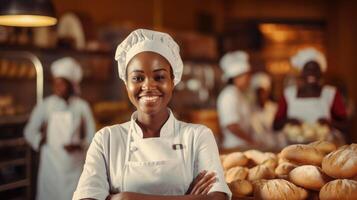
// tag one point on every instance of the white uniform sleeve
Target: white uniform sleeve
(207, 158)
(89, 123)
(32, 131)
(227, 109)
(93, 182)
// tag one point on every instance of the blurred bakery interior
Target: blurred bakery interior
(89, 31)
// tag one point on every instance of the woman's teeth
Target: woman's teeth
(149, 98)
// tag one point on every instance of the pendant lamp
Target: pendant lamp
(27, 13)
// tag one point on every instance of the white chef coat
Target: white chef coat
(105, 164)
(262, 123)
(233, 107)
(59, 171)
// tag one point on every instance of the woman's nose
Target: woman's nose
(149, 84)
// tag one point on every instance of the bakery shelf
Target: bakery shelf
(14, 142)
(17, 119)
(13, 185)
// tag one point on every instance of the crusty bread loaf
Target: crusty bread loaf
(324, 146)
(240, 188)
(259, 157)
(236, 173)
(278, 189)
(302, 154)
(282, 160)
(341, 163)
(284, 168)
(260, 172)
(234, 159)
(309, 177)
(271, 163)
(341, 189)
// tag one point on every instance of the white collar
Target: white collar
(168, 129)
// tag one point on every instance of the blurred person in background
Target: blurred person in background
(263, 110)
(61, 128)
(154, 155)
(311, 101)
(234, 109)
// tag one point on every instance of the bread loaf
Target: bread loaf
(309, 177)
(284, 168)
(278, 189)
(236, 173)
(341, 189)
(240, 188)
(271, 163)
(259, 157)
(260, 172)
(341, 163)
(324, 146)
(302, 154)
(234, 159)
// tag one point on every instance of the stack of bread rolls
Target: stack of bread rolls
(317, 170)
(306, 132)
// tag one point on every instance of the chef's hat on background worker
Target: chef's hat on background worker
(142, 40)
(306, 55)
(234, 64)
(69, 69)
(261, 80)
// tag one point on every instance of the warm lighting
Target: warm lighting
(27, 20)
(278, 33)
(278, 67)
(27, 13)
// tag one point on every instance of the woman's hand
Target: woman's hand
(71, 148)
(119, 196)
(202, 183)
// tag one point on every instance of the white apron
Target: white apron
(154, 165)
(310, 109)
(59, 171)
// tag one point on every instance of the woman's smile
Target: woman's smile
(149, 99)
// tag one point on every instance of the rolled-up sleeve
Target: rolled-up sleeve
(93, 182)
(207, 158)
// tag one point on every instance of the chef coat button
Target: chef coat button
(133, 148)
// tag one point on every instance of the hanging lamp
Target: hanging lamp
(27, 13)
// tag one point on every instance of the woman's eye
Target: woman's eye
(137, 78)
(160, 77)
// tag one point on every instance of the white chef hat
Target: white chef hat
(306, 55)
(142, 40)
(67, 68)
(261, 80)
(234, 64)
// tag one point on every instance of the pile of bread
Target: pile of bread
(302, 171)
(306, 132)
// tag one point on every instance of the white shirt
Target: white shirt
(104, 164)
(233, 108)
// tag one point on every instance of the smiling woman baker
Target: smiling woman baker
(153, 156)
